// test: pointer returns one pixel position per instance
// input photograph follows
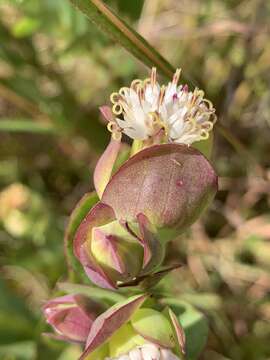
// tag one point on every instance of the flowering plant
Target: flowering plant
(120, 235)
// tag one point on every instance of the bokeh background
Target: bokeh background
(56, 69)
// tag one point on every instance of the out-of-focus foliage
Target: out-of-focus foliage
(56, 69)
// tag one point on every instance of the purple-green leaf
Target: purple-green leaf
(179, 332)
(154, 251)
(110, 321)
(171, 184)
(99, 215)
(71, 316)
(105, 165)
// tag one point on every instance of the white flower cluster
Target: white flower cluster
(147, 110)
(147, 352)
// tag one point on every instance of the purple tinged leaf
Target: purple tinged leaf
(100, 215)
(105, 165)
(170, 184)
(179, 331)
(117, 251)
(89, 306)
(109, 253)
(147, 238)
(52, 304)
(153, 251)
(69, 319)
(108, 245)
(110, 321)
(95, 272)
(72, 323)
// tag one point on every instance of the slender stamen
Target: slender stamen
(140, 92)
(176, 76)
(153, 77)
(161, 95)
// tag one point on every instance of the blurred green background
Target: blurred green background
(56, 69)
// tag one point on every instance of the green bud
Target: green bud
(117, 251)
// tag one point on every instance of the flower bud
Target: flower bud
(115, 249)
(68, 316)
(115, 252)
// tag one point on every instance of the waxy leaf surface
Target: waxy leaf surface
(170, 184)
(110, 321)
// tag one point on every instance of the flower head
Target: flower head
(150, 112)
(70, 317)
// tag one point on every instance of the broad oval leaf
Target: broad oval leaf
(171, 184)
